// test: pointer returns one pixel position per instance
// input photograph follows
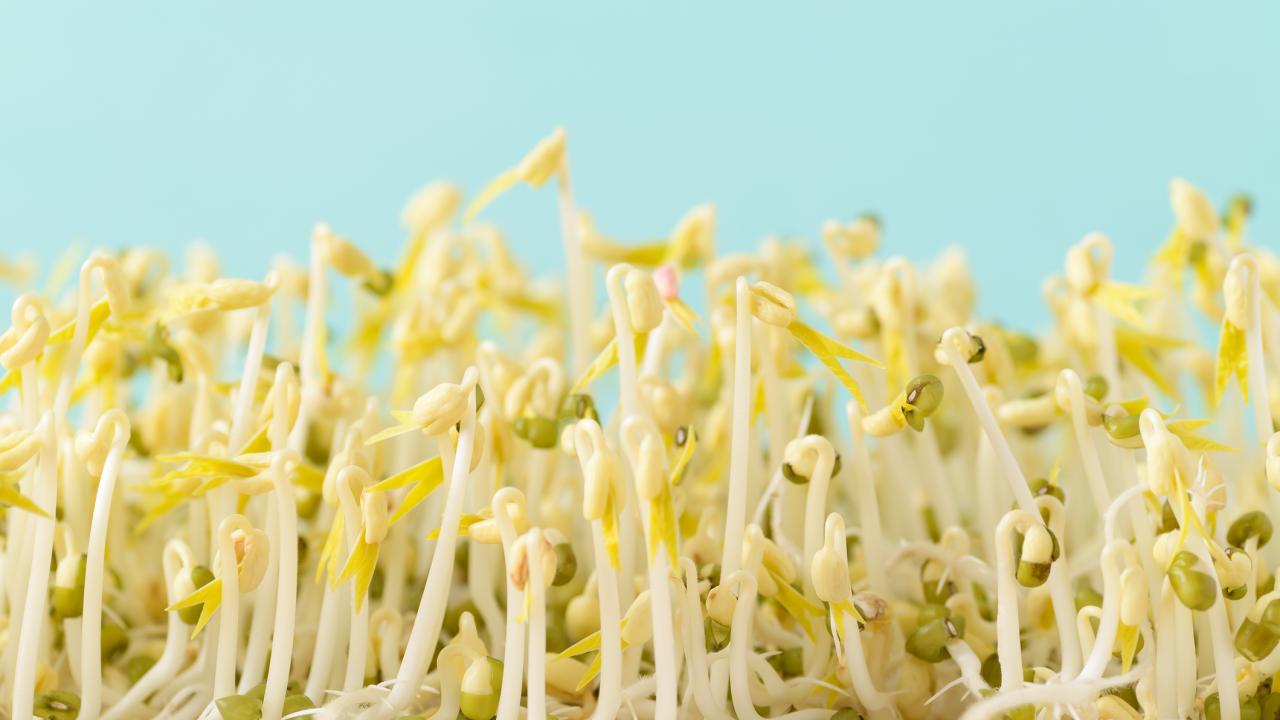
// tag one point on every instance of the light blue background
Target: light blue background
(1010, 128)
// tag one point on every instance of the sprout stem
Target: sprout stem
(736, 508)
(33, 614)
(513, 655)
(91, 623)
(864, 491)
(426, 624)
(579, 274)
(537, 677)
(176, 554)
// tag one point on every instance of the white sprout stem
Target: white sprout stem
(773, 489)
(249, 379)
(18, 552)
(91, 620)
(175, 645)
(1070, 643)
(322, 653)
(740, 645)
(286, 594)
(776, 424)
(868, 505)
(741, 652)
(695, 639)
(815, 511)
(255, 654)
(656, 348)
(79, 338)
(664, 651)
(1069, 694)
(33, 614)
(1084, 442)
(224, 677)
(579, 275)
(1109, 622)
(629, 403)
(1186, 658)
(1166, 675)
(1008, 642)
(941, 498)
(856, 662)
(513, 655)
(1219, 632)
(1107, 359)
(426, 624)
(988, 488)
(739, 457)
(313, 338)
(537, 677)
(389, 644)
(1143, 533)
(397, 568)
(609, 698)
(480, 578)
(541, 465)
(1004, 454)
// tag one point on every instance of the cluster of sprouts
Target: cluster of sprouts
(487, 497)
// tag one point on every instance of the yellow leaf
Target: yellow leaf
(159, 510)
(839, 610)
(1120, 300)
(209, 597)
(360, 565)
(202, 465)
(1127, 637)
(11, 380)
(582, 647)
(683, 314)
(607, 358)
(543, 309)
(594, 668)
(10, 497)
(823, 348)
(1175, 254)
(1135, 406)
(209, 484)
(795, 604)
(309, 478)
(329, 553)
(1131, 347)
(662, 526)
(393, 431)
(259, 442)
(686, 454)
(592, 671)
(97, 315)
(1186, 431)
(609, 528)
(1233, 359)
(425, 470)
(464, 523)
(758, 400)
(426, 476)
